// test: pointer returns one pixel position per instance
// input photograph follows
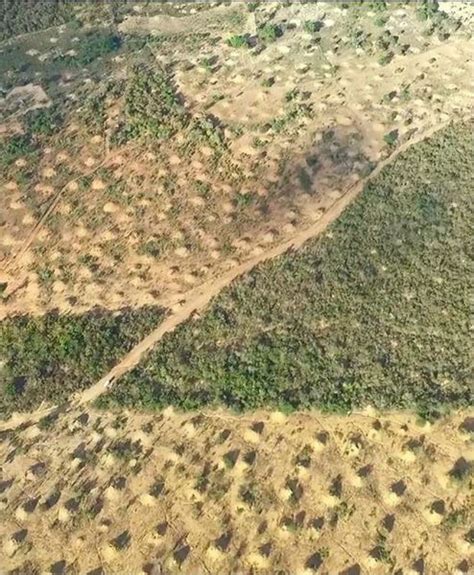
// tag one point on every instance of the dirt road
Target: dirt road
(198, 298)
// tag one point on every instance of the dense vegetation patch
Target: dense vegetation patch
(22, 17)
(45, 121)
(374, 312)
(154, 110)
(15, 147)
(93, 45)
(152, 106)
(38, 124)
(47, 358)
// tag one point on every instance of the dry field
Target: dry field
(152, 159)
(95, 492)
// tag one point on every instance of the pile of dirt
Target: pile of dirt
(93, 492)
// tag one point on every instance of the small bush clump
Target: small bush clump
(45, 121)
(238, 41)
(269, 32)
(15, 147)
(312, 26)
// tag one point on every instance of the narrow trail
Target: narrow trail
(198, 298)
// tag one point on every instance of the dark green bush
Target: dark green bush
(312, 26)
(391, 138)
(427, 9)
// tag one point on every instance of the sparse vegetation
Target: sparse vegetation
(295, 111)
(164, 153)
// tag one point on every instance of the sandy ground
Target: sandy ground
(219, 493)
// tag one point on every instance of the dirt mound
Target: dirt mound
(95, 492)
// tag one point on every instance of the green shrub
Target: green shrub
(205, 131)
(380, 21)
(238, 41)
(305, 180)
(386, 58)
(292, 95)
(269, 32)
(312, 26)
(45, 121)
(378, 5)
(428, 9)
(391, 138)
(252, 6)
(154, 247)
(15, 147)
(92, 112)
(268, 82)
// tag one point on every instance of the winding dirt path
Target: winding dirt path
(198, 298)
